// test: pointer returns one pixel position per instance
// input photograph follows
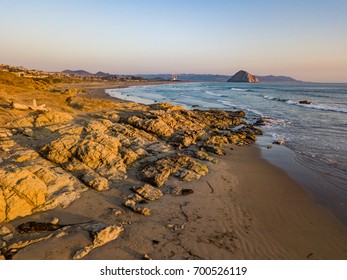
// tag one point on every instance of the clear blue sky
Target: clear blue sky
(304, 39)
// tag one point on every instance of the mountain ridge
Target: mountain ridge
(190, 77)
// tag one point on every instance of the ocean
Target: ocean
(314, 133)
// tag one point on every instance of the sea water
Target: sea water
(316, 132)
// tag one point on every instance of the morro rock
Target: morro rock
(243, 77)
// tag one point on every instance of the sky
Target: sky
(303, 39)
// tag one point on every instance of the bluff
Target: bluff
(243, 77)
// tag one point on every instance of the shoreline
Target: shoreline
(256, 211)
(312, 182)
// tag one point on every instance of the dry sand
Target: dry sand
(245, 208)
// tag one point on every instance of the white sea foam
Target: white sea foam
(123, 96)
(213, 94)
(228, 103)
(269, 97)
(316, 106)
(239, 89)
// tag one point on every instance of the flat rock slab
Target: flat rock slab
(100, 238)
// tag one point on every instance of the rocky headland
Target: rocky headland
(243, 77)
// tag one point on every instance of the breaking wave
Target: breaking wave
(316, 106)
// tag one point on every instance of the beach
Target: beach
(242, 208)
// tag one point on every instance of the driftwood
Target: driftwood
(212, 189)
(33, 107)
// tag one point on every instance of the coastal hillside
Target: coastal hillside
(277, 79)
(216, 78)
(81, 73)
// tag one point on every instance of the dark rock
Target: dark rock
(33, 227)
(243, 77)
(259, 122)
(214, 150)
(304, 102)
(186, 191)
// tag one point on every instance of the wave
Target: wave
(323, 107)
(238, 89)
(214, 94)
(316, 106)
(230, 104)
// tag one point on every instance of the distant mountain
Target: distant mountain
(181, 77)
(102, 74)
(243, 77)
(81, 73)
(187, 77)
(277, 79)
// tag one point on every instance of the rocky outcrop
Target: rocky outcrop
(35, 187)
(305, 102)
(135, 203)
(41, 119)
(243, 77)
(183, 167)
(97, 150)
(148, 192)
(6, 143)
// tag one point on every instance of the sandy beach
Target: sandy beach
(243, 208)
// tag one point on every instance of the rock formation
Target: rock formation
(100, 237)
(243, 77)
(74, 155)
(48, 158)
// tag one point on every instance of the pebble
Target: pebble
(4, 230)
(279, 142)
(55, 221)
(7, 237)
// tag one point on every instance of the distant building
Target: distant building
(174, 77)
